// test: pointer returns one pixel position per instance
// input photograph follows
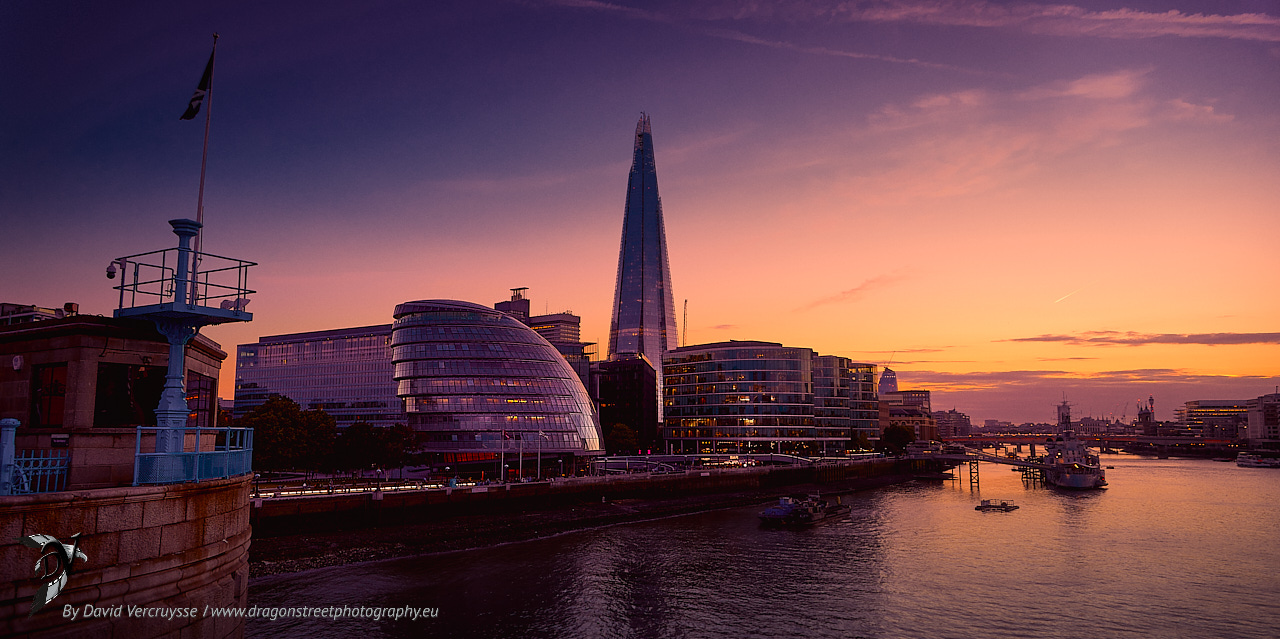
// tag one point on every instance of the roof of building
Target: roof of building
(424, 306)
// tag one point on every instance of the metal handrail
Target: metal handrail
(231, 454)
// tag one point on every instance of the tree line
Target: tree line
(285, 437)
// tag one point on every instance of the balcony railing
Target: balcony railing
(150, 280)
(208, 453)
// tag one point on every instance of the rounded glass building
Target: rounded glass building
(479, 385)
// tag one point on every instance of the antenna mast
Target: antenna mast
(684, 333)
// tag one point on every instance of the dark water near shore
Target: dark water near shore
(1174, 548)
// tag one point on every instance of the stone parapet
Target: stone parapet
(174, 546)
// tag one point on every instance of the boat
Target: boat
(791, 511)
(1068, 464)
(1002, 505)
(933, 476)
(1254, 460)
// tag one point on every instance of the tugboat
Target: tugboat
(1068, 463)
(790, 511)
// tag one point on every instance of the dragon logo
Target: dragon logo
(53, 566)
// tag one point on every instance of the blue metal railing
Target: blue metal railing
(214, 453)
(39, 471)
(150, 278)
(23, 472)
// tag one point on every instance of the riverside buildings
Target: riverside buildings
(480, 386)
(759, 397)
(909, 409)
(1263, 427)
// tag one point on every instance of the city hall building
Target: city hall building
(480, 386)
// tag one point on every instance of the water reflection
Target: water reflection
(1147, 557)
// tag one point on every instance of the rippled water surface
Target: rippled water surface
(1173, 548)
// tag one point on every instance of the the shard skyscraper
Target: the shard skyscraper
(644, 316)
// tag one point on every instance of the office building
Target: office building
(844, 395)
(909, 409)
(1263, 427)
(345, 372)
(1215, 418)
(759, 397)
(623, 386)
(480, 386)
(952, 423)
(889, 381)
(563, 330)
(644, 316)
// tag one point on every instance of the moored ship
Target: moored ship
(790, 511)
(1254, 460)
(1068, 463)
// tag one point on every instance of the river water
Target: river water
(1172, 548)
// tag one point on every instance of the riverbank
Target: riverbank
(482, 527)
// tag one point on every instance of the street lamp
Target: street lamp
(561, 461)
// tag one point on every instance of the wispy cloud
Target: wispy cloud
(1004, 380)
(699, 26)
(1030, 395)
(1130, 338)
(975, 140)
(854, 294)
(1041, 19)
(724, 327)
(730, 34)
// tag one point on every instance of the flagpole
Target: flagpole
(204, 159)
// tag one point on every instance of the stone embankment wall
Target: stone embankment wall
(289, 516)
(176, 546)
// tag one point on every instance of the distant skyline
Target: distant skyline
(1008, 201)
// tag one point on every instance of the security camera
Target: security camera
(111, 271)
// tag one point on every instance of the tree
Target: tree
(319, 433)
(286, 438)
(400, 445)
(896, 438)
(621, 440)
(359, 447)
(362, 446)
(861, 442)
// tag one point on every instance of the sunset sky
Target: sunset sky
(1012, 202)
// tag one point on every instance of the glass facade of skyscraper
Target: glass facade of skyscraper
(864, 401)
(478, 383)
(762, 397)
(644, 315)
(344, 372)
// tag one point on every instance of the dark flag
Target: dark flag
(201, 90)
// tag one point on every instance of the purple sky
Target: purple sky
(1011, 201)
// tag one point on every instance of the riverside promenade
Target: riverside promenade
(303, 532)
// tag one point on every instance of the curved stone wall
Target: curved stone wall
(175, 546)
